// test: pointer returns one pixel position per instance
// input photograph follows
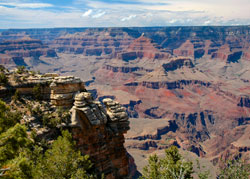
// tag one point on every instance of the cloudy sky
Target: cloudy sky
(122, 13)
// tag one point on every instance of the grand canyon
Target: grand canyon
(182, 86)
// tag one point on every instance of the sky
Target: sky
(122, 13)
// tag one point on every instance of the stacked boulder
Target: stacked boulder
(93, 110)
(117, 115)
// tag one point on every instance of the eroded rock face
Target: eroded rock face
(142, 48)
(99, 133)
(63, 90)
(93, 42)
(244, 101)
(60, 90)
(186, 49)
(15, 50)
(178, 63)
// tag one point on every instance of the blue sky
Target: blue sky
(122, 13)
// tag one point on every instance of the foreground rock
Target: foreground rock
(98, 130)
(99, 133)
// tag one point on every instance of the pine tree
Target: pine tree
(172, 166)
(63, 161)
(235, 169)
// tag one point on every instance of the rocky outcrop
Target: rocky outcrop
(60, 90)
(142, 48)
(178, 63)
(169, 85)
(244, 101)
(63, 90)
(99, 133)
(196, 124)
(186, 50)
(222, 53)
(98, 130)
(122, 69)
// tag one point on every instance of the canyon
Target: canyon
(183, 86)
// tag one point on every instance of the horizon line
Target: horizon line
(127, 27)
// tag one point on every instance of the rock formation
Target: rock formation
(93, 43)
(14, 51)
(63, 90)
(60, 90)
(142, 48)
(99, 133)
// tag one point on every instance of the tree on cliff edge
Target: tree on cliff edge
(172, 166)
(63, 161)
(235, 169)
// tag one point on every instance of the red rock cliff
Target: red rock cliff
(99, 133)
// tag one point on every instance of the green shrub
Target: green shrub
(202, 174)
(3, 78)
(171, 166)
(235, 169)
(21, 69)
(2, 68)
(37, 92)
(16, 96)
(50, 122)
(7, 118)
(63, 161)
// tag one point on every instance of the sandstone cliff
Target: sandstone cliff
(98, 130)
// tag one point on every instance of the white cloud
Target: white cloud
(87, 13)
(207, 22)
(93, 13)
(128, 18)
(27, 5)
(100, 14)
(172, 21)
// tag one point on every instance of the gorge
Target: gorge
(183, 86)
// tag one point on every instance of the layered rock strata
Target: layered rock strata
(63, 90)
(60, 90)
(142, 47)
(93, 42)
(99, 133)
(14, 51)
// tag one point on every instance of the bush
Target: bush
(16, 96)
(63, 161)
(37, 92)
(235, 169)
(2, 68)
(50, 122)
(7, 118)
(21, 69)
(3, 78)
(171, 166)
